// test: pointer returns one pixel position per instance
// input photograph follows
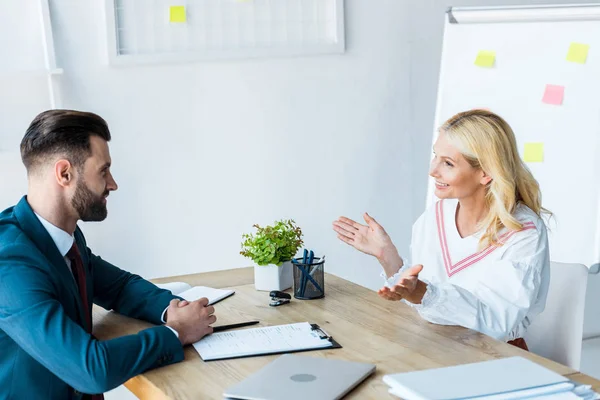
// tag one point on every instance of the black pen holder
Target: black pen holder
(309, 279)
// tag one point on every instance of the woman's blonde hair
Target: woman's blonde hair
(488, 143)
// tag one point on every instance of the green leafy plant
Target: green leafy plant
(272, 244)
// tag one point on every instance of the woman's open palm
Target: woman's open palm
(370, 239)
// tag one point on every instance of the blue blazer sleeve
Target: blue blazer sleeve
(126, 293)
(32, 315)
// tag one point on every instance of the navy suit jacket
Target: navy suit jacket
(45, 351)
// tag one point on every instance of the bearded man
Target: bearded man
(49, 277)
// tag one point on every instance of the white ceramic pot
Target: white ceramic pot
(273, 277)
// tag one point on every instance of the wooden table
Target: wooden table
(588, 380)
(370, 329)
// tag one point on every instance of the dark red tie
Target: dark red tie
(79, 274)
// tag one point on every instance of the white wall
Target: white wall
(203, 151)
(23, 92)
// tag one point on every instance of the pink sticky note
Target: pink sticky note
(554, 94)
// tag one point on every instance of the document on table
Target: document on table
(261, 341)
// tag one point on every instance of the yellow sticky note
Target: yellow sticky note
(578, 53)
(485, 58)
(534, 152)
(177, 14)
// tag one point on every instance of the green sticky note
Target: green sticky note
(578, 53)
(534, 152)
(485, 58)
(177, 14)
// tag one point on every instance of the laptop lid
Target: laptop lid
(294, 377)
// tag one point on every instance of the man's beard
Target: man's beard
(90, 206)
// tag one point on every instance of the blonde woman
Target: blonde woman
(480, 254)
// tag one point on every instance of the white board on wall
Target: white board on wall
(531, 45)
(155, 31)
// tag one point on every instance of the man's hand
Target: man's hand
(182, 303)
(191, 320)
(409, 287)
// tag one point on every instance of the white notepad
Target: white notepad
(190, 293)
(261, 341)
(496, 379)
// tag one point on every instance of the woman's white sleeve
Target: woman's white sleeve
(392, 280)
(502, 297)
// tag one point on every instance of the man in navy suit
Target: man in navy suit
(49, 278)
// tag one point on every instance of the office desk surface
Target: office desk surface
(370, 329)
(585, 379)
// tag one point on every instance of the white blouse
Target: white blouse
(496, 291)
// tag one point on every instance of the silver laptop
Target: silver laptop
(294, 377)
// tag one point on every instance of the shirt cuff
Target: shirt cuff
(430, 298)
(393, 280)
(173, 330)
(162, 316)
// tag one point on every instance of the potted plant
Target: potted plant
(272, 248)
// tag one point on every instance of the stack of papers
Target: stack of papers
(504, 379)
(190, 293)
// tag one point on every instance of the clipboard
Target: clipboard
(270, 340)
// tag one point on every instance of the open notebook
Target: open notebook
(190, 293)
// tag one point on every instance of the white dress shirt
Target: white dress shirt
(496, 290)
(64, 241)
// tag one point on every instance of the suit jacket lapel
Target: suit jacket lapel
(36, 232)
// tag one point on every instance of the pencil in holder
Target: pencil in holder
(309, 279)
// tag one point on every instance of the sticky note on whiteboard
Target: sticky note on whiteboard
(578, 53)
(177, 14)
(485, 58)
(554, 94)
(534, 152)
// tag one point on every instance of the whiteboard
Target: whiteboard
(531, 46)
(154, 31)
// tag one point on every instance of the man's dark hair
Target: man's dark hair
(61, 132)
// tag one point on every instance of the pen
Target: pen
(303, 279)
(232, 326)
(311, 256)
(321, 260)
